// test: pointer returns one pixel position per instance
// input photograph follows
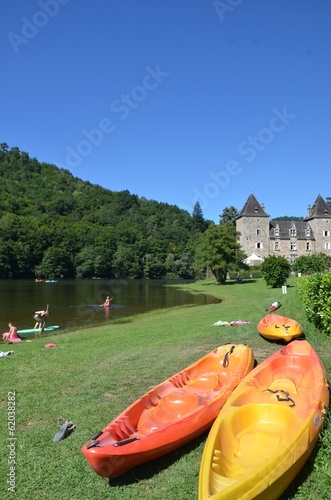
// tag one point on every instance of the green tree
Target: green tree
(6, 260)
(309, 264)
(275, 270)
(198, 218)
(229, 214)
(219, 250)
(56, 263)
(85, 263)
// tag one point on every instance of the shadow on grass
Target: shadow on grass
(151, 468)
(280, 342)
(231, 282)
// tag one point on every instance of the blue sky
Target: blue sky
(178, 101)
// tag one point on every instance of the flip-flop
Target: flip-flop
(66, 427)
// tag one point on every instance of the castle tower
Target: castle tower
(319, 218)
(253, 226)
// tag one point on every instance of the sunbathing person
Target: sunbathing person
(12, 334)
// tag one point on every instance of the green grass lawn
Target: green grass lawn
(94, 374)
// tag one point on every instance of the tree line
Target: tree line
(53, 225)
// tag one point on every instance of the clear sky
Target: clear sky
(175, 100)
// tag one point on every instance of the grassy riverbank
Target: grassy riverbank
(93, 374)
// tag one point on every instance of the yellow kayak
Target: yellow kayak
(276, 327)
(267, 429)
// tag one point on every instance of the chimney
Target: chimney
(309, 211)
(262, 206)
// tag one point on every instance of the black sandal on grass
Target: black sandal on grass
(66, 427)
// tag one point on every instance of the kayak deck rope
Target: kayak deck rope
(280, 398)
(225, 362)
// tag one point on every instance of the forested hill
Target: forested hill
(53, 225)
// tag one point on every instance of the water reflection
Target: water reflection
(77, 303)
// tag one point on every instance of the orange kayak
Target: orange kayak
(171, 414)
(276, 327)
(267, 429)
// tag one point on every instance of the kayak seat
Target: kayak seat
(171, 408)
(263, 428)
(211, 381)
(297, 371)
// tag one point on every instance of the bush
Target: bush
(315, 293)
(275, 271)
(310, 264)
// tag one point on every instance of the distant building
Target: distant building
(261, 237)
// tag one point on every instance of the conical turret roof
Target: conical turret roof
(320, 209)
(252, 208)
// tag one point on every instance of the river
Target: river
(77, 303)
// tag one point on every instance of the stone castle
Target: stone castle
(261, 237)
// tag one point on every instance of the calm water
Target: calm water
(77, 303)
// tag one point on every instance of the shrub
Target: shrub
(275, 270)
(309, 264)
(315, 293)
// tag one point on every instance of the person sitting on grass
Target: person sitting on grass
(12, 334)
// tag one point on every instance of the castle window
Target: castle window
(326, 233)
(258, 232)
(277, 231)
(258, 245)
(327, 246)
(293, 245)
(293, 232)
(276, 245)
(307, 232)
(308, 246)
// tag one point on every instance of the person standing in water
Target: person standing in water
(107, 302)
(40, 318)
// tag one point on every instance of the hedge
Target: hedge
(315, 293)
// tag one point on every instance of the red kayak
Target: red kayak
(171, 414)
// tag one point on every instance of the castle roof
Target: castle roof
(252, 208)
(319, 210)
(280, 229)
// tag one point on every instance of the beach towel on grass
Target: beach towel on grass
(231, 323)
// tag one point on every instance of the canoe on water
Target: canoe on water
(171, 414)
(276, 327)
(267, 429)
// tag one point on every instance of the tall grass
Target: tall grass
(93, 374)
